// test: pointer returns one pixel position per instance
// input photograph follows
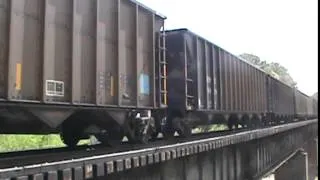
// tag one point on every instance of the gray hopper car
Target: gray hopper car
(108, 68)
(305, 106)
(280, 100)
(301, 105)
(68, 64)
(210, 85)
(315, 108)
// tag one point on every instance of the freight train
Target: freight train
(109, 68)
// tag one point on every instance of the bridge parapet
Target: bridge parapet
(241, 156)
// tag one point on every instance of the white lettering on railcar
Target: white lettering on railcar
(54, 88)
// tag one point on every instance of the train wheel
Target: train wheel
(144, 137)
(70, 137)
(140, 136)
(141, 130)
(112, 141)
(230, 125)
(71, 134)
(183, 128)
(168, 135)
(250, 123)
(112, 136)
(154, 135)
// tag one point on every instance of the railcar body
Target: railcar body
(315, 108)
(68, 64)
(207, 84)
(280, 100)
(304, 106)
(301, 101)
(312, 109)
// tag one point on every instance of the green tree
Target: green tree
(274, 69)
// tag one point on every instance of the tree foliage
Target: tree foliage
(24, 142)
(274, 69)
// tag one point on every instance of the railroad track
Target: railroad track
(101, 161)
(23, 158)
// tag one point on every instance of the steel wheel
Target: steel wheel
(112, 138)
(70, 138)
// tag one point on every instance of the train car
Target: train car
(208, 85)
(305, 106)
(312, 108)
(302, 105)
(315, 108)
(280, 101)
(80, 67)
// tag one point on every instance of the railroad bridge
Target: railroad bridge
(289, 151)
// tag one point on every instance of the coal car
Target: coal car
(109, 68)
(207, 84)
(302, 105)
(80, 67)
(280, 101)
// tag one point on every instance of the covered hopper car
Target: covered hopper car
(109, 68)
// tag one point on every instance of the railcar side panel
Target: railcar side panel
(79, 52)
(309, 106)
(300, 104)
(89, 61)
(213, 78)
(177, 73)
(281, 98)
(315, 108)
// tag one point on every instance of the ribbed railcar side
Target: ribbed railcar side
(78, 52)
(281, 100)
(210, 84)
(315, 108)
(309, 107)
(75, 54)
(301, 105)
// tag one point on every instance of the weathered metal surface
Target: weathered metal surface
(79, 52)
(281, 98)
(203, 76)
(303, 104)
(246, 154)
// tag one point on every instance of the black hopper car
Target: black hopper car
(108, 68)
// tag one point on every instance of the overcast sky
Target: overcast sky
(283, 31)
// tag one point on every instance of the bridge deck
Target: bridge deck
(245, 154)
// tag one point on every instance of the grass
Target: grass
(210, 128)
(25, 142)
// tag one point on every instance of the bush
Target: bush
(24, 142)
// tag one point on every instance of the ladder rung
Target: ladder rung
(163, 62)
(190, 80)
(188, 96)
(163, 77)
(164, 92)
